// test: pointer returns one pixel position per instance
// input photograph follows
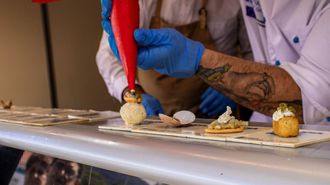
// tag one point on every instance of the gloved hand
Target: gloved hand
(106, 24)
(215, 103)
(168, 52)
(151, 104)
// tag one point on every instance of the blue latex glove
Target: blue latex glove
(168, 52)
(106, 24)
(215, 103)
(151, 104)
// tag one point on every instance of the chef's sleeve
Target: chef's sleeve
(312, 71)
(111, 69)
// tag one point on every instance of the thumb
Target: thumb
(146, 37)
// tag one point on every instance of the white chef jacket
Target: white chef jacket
(225, 24)
(295, 35)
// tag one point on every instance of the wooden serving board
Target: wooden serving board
(305, 137)
(251, 135)
(36, 116)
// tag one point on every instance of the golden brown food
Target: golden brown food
(132, 97)
(226, 124)
(286, 127)
(225, 131)
(285, 123)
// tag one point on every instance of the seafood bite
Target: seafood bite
(168, 120)
(226, 124)
(180, 118)
(132, 112)
(184, 117)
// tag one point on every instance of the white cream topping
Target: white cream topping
(225, 117)
(279, 114)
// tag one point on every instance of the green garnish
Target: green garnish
(284, 107)
(292, 109)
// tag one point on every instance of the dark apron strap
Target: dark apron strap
(156, 20)
(203, 15)
(158, 8)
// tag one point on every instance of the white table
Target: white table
(174, 160)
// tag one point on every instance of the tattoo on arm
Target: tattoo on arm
(250, 84)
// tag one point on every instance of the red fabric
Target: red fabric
(43, 1)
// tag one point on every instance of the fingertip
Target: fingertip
(209, 89)
(218, 110)
(160, 111)
(208, 99)
(204, 95)
(202, 105)
(204, 110)
(139, 35)
(213, 113)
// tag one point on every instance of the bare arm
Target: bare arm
(259, 87)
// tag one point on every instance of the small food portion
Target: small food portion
(185, 117)
(226, 124)
(169, 120)
(285, 123)
(179, 118)
(6, 105)
(132, 112)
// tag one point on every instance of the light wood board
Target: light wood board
(251, 135)
(36, 116)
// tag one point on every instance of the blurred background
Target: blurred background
(75, 31)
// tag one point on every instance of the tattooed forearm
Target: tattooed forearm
(213, 74)
(257, 86)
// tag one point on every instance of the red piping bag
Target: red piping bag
(124, 20)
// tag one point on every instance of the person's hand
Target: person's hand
(151, 105)
(215, 103)
(168, 52)
(106, 24)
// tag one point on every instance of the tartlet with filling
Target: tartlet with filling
(226, 124)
